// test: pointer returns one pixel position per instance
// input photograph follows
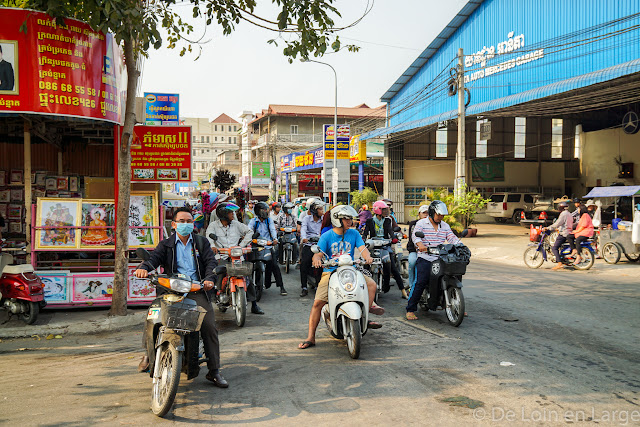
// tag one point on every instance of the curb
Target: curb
(78, 327)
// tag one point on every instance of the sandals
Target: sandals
(376, 309)
(411, 316)
(306, 344)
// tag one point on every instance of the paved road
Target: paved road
(572, 337)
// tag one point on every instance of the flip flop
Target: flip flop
(373, 325)
(411, 316)
(307, 344)
(376, 309)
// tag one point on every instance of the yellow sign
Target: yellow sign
(357, 149)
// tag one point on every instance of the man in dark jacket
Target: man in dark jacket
(189, 254)
(6, 74)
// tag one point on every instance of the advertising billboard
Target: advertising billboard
(342, 183)
(162, 109)
(357, 149)
(161, 154)
(260, 173)
(63, 70)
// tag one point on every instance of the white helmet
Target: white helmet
(342, 211)
(310, 201)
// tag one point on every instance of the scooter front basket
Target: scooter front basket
(184, 315)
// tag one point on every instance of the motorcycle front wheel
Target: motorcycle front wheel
(353, 335)
(240, 306)
(31, 316)
(533, 257)
(455, 312)
(166, 377)
(587, 260)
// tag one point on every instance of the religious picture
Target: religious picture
(184, 174)
(3, 178)
(62, 213)
(143, 214)
(9, 67)
(62, 183)
(14, 212)
(73, 184)
(51, 183)
(17, 194)
(15, 177)
(15, 227)
(97, 214)
(5, 196)
(40, 180)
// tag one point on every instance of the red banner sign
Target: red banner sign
(66, 70)
(161, 154)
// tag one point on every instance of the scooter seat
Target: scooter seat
(18, 269)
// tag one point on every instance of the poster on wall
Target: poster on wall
(487, 170)
(92, 287)
(143, 214)
(139, 288)
(161, 154)
(64, 70)
(97, 213)
(57, 213)
(56, 285)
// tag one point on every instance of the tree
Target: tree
(306, 28)
(364, 197)
(223, 180)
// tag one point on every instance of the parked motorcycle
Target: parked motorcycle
(446, 279)
(347, 312)
(232, 276)
(261, 254)
(288, 240)
(21, 290)
(540, 251)
(174, 320)
(379, 249)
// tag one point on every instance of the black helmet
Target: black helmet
(262, 210)
(437, 207)
(223, 209)
(563, 205)
(576, 200)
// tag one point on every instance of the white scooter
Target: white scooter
(347, 313)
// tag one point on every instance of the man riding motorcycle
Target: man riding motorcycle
(267, 230)
(436, 232)
(189, 254)
(381, 225)
(286, 219)
(311, 227)
(564, 225)
(341, 239)
(231, 232)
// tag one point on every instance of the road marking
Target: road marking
(420, 327)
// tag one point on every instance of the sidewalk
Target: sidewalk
(69, 321)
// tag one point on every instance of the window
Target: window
(528, 198)
(215, 138)
(556, 138)
(513, 198)
(576, 142)
(441, 142)
(235, 128)
(520, 137)
(207, 139)
(194, 152)
(237, 156)
(193, 138)
(215, 128)
(202, 139)
(222, 138)
(497, 198)
(294, 129)
(229, 128)
(481, 144)
(202, 152)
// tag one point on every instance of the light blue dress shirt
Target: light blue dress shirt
(263, 228)
(184, 255)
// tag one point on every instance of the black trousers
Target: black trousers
(208, 332)
(306, 267)
(556, 246)
(576, 242)
(391, 269)
(272, 267)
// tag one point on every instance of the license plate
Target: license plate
(154, 313)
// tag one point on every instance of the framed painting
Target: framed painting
(15, 227)
(143, 214)
(139, 288)
(41, 178)
(17, 194)
(53, 193)
(14, 212)
(3, 210)
(92, 287)
(97, 213)
(3, 178)
(62, 183)
(73, 184)
(61, 213)
(5, 196)
(56, 285)
(50, 183)
(38, 192)
(15, 177)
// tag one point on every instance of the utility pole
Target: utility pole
(459, 185)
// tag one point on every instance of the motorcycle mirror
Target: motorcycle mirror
(315, 249)
(419, 234)
(143, 254)
(213, 237)
(396, 228)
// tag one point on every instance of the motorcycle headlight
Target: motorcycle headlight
(288, 229)
(262, 242)
(347, 279)
(236, 252)
(180, 285)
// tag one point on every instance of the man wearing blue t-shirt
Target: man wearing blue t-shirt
(340, 240)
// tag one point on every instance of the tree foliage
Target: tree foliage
(462, 210)
(364, 197)
(223, 180)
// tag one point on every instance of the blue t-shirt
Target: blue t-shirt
(334, 245)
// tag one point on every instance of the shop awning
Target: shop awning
(260, 191)
(615, 191)
(172, 200)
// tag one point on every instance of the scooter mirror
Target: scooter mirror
(396, 228)
(419, 234)
(315, 249)
(143, 254)
(213, 237)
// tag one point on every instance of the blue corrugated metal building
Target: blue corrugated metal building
(549, 82)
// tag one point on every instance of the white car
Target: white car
(509, 206)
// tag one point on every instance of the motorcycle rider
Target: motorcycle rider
(275, 211)
(286, 219)
(335, 242)
(564, 225)
(248, 211)
(267, 230)
(423, 212)
(190, 254)
(436, 232)
(311, 226)
(380, 225)
(231, 232)
(576, 213)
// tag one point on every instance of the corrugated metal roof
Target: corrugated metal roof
(610, 73)
(615, 191)
(314, 111)
(455, 23)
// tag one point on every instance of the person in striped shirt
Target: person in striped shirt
(436, 232)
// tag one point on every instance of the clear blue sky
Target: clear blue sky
(243, 72)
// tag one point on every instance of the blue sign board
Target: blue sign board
(162, 109)
(302, 160)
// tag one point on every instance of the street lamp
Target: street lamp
(334, 172)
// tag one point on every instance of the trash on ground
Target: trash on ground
(507, 364)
